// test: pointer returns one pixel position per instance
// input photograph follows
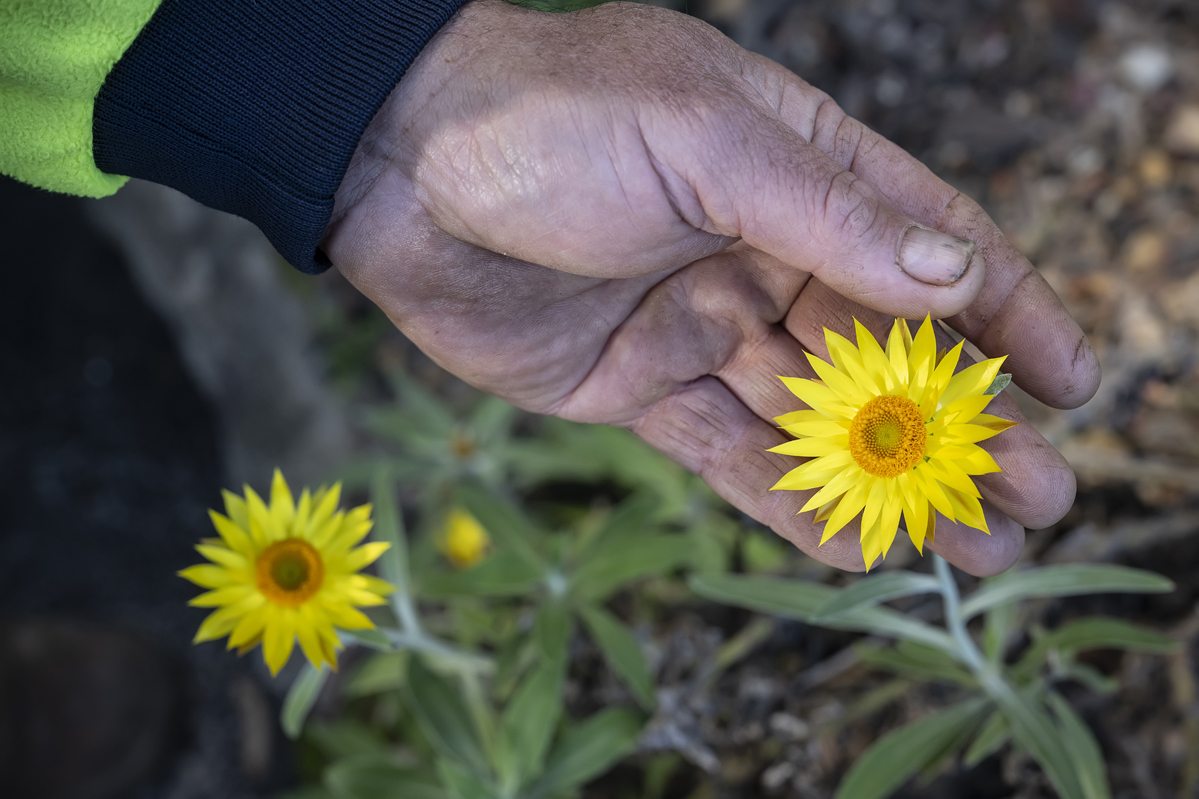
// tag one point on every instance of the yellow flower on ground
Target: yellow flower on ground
(463, 540)
(891, 432)
(287, 571)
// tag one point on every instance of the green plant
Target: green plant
(1001, 701)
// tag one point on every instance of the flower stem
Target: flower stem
(971, 655)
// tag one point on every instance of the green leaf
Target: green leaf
(1067, 580)
(1000, 382)
(491, 419)
(505, 573)
(607, 572)
(997, 627)
(510, 529)
(799, 599)
(995, 733)
(1034, 730)
(900, 754)
(1097, 632)
(531, 718)
(622, 652)
(370, 638)
(382, 671)
(916, 660)
(419, 409)
(444, 717)
(1102, 632)
(374, 777)
(552, 631)
(1083, 748)
(345, 738)
(300, 699)
(628, 521)
(588, 751)
(462, 784)
(1091, 678)
(873, 590)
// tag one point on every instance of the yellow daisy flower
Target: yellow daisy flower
(286, 571)
(891, 432)
(463, 540)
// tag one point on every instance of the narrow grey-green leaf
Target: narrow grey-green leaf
(552, 630)
(1034, 730)
(531, 718)
(462, 784)
(300, 699)
(995, 733)
(798, 599)
(1102, 632)
(382, 671)
(587, 751)
(916, 660)
(603, 574)
(900, 754)
(376, 777)
(371, 638)
(622, 652)
(1066, 580)
(444, 717)
(628, 521)
(504, 573)
(872, 590)
(1000, 382)
(997, 627)
(1083, 748)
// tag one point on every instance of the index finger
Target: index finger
(1016, 313)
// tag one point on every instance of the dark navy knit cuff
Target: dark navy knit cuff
(255, 108)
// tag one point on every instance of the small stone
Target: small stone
(1145, 252)
(1155, 168)
(1147, 67)
(1182, 131)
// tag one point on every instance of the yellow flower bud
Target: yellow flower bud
(463, 540)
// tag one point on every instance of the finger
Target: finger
(707, 430)
(755, 177)
(975, 552)
(1036, 487)
(1016, 313)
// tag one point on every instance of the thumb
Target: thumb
(785, 196)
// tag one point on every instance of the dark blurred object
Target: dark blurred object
(108, 463)
(86, 712)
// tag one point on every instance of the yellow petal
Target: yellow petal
(924, 349)
(964, 410)
(972, 381)
(795, 417)
(950, 474)
(278, 639)
(221, 596)
(931, 488)
(968, 509)
(236, 510)
(979, 461)
(968, 433)
(362, 556)
(875, 498)
(824, 429)
(993, 422)
(940, 379)
(234, 537)
(848, 360)
(916, 517)
(849, 506)
(207, 576)
(248, 630)
(283, 506)
(897, 351)
(815, 472)
(875, 360)
(816, 396)
(848, 391)
(812, 447)
(834, 488)
(225, 557)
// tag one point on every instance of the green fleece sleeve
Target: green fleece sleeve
(54, 57)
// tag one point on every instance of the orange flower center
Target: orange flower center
(887, 437)
(289, 572)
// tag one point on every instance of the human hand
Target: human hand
(550, 207)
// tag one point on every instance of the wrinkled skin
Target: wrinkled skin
(619, 216)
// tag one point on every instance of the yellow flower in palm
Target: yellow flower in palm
(891, 432)
(463, 541)
(286, 571)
